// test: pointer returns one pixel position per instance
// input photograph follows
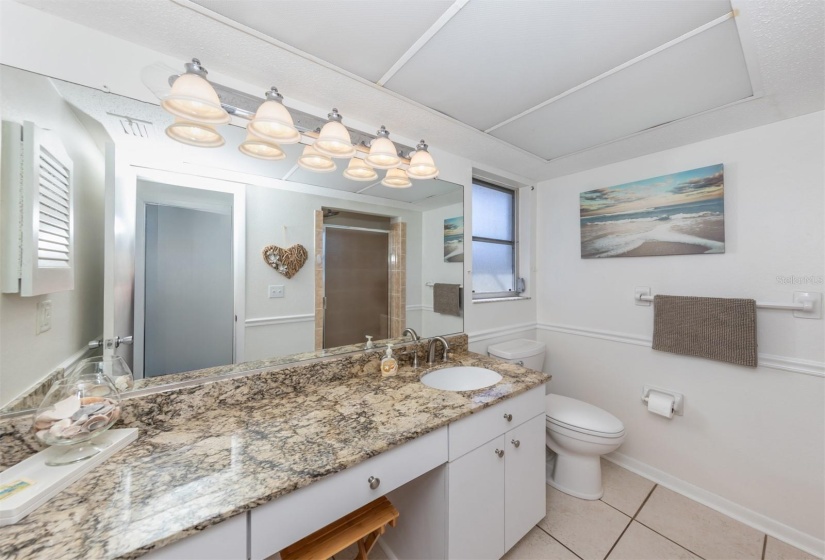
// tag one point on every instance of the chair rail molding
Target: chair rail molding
(784, 363)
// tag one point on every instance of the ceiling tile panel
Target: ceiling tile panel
(701, 73)
(365, 37)
(496, 59)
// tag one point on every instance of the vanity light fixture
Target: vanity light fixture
(312, 160)
(193, 99)
(382, 151)
(272, 121)
(396, 179)
(358, 170)
(334, 139)
(199, 105)
(422, 165)
(261, 149)
(194, 134)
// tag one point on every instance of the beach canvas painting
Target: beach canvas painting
(678, 214)
(454, 239)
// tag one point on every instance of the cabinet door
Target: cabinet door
(524, 479)
(224, 541)
(476, 503)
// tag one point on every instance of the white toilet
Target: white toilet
(579, 433)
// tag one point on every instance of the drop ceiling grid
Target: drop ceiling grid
(701, 73)
(365, 37)
(494, 60)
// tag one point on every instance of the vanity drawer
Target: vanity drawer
(297, 514)
(474, 430)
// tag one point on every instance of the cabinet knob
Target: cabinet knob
(500, 452)
(520, 363)
(508, 417)
(515, 442)
(374, 482)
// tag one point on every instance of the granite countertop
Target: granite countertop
(206, 454)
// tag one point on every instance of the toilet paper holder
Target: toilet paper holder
(678, 398)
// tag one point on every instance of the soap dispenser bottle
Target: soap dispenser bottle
(389, 365)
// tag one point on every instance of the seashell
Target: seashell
(85, 401)
(61, 409)
(88, 410)
(115, 414)
(96, 422)
(41, 423)
(123, 382)
(73, 431)
(41, 435)
(57, 428)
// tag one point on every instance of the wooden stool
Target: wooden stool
(363, 526)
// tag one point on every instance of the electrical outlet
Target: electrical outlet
(276, 292)
(44, 316)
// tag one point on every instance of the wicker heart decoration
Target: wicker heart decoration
(286, 261)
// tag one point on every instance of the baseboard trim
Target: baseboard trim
(783, 363)
(281, 320)
(488, 334)
(758, 521)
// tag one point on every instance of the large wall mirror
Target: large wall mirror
(171, 245)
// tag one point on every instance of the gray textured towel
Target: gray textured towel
(716, 328)
(446, 299)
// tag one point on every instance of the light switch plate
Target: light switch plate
(44, 316)
(276, 292)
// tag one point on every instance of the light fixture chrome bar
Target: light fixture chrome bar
(243, 105)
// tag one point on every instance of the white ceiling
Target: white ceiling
(536, 88)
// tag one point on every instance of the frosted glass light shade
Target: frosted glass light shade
(422, 165)
(261, 149)
(334, 141)
(396, 179)
(357, 170)
(314, 161)
(272, 122)
(383, 154)
(194, 134)
(194, 99)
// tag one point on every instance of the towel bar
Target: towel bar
(807, 305)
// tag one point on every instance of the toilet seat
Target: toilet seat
(582, 417)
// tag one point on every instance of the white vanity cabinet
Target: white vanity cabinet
(496, 477)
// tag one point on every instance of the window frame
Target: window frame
(515, 292)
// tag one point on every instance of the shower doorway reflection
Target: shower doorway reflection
(356, 284)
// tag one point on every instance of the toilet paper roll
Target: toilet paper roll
(660, 403)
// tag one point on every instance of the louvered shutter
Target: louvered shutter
(45, 202)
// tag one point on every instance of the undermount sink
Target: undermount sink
(462, 378)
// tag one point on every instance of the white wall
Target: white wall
(754, 437)
(436, 270)
(77, 315)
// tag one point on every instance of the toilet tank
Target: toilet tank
(528, 353)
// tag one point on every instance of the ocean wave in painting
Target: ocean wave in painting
(678, 229)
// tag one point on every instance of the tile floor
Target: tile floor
(638, 520)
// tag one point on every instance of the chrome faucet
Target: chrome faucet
(431, 349)
(414, 336)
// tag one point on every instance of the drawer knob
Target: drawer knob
(500, 452)
(515, 442)
(508, 417)
(374, 482)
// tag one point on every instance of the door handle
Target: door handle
(117, 341)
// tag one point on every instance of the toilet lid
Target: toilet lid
(582, 417)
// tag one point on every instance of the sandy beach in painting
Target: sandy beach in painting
(678, 214)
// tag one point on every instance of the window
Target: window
(494, 241)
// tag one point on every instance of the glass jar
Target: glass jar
(74, 411)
